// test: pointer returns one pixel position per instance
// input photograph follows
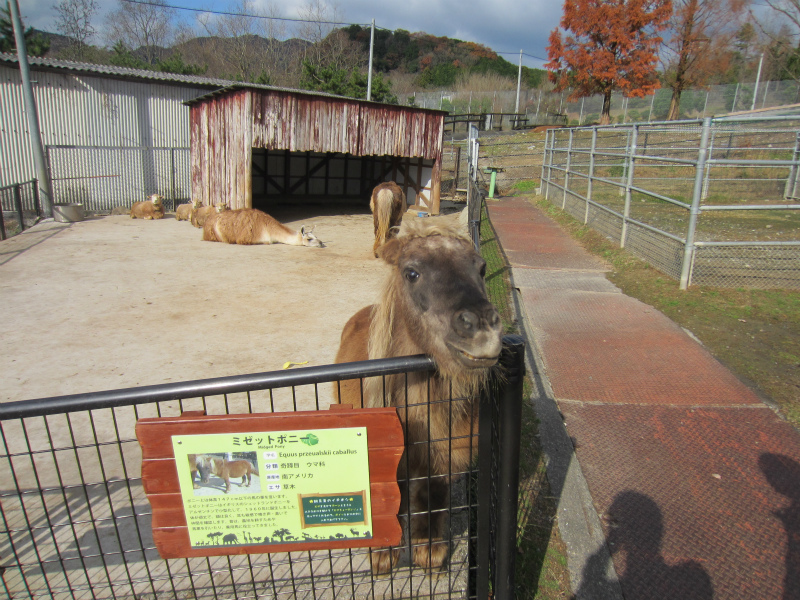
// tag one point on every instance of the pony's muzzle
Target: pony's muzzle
(467, 323)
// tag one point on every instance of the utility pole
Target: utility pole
(519, 81)
(369, 75)
(45, 187)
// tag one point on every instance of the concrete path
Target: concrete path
(675, 480)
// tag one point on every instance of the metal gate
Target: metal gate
(76, 523)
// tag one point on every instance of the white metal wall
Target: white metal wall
(84, 110)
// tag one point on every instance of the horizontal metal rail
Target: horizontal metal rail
(216, 386)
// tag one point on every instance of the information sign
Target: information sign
(275, 487)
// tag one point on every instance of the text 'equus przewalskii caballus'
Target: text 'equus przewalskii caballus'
(433, 302)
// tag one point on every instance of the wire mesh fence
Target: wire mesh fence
(676, 194)
(19, 208)
(544, 106)
(75, 522)
(104, 177)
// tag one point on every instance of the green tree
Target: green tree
(175, 64)
(341, 82)
(35, 43)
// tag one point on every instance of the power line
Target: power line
(238, 14)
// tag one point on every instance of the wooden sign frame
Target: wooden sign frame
(160, 474)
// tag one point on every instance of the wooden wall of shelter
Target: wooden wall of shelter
(227, 125)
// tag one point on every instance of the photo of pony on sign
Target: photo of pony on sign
(270, 487)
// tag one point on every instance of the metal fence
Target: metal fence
(76, 524)
(104, 177)
(19, 207)
(544, 106)
(709, 202)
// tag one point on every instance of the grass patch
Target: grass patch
(541, 566)
(755, 333)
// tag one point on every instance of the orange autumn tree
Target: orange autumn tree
(608, 45)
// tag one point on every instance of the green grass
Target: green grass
(541, 566)
(755, 333)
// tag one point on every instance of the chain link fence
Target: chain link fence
(542, 105)
(102, 178)
(710, 202)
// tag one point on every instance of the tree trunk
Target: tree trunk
(605, 116)
(674, 105)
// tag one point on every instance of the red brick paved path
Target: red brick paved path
(696, 481)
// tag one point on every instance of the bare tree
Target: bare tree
(245, 42)
(328, 46)
(74, 20)
(142, 27)
(698, 44)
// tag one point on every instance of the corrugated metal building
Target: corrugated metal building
(256, 147)
(109, 130)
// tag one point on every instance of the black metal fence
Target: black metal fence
(19, 207)
(75, 522)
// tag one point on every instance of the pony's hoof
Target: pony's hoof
(429, 554)
(383, 561)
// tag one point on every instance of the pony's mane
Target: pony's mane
(444, 226)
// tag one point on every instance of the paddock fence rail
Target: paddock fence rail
(709, 202)
(20, 207)
(75, 522)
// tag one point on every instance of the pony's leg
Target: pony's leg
(227, 483)
(428, 521)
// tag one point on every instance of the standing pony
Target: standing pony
(387, 205)
(433, 302)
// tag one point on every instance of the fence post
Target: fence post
(548, 141)
(791, 181)
(18, 206)
(499, 424)
(509, 400)
(626, 213)
(36, 199)
(566, 169)
(172, 177)
(2, 223)
(707, 173)
(591, 174)
(688, 250)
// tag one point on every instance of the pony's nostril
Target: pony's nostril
(466, 322)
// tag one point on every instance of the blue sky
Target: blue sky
(506, 26)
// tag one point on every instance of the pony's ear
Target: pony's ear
(390, 251)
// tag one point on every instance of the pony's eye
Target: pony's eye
(411, 275)
(483, 271)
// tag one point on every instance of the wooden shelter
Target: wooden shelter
(258, 147)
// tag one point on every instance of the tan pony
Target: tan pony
(224, 469)
(387, 204)
(184, 212)
(201, 213)
(252, 226)
(152, 208)
(433, 302)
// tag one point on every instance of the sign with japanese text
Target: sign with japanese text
(272, 482)
(276, 487)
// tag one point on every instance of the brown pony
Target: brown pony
(433, 302)
(225, 470)
(387, 204)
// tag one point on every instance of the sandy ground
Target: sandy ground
(113, 302)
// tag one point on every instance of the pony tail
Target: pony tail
(383, 210)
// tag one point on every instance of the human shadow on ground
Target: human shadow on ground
(783, 474)
(636, 531)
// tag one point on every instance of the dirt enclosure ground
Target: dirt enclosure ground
(113, 302)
